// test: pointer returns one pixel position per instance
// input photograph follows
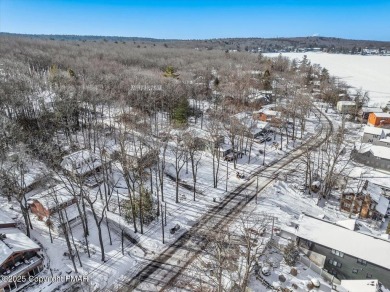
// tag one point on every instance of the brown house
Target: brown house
(267, 115)
(18, 257)
(361, 204)
(49, 202)
(370, 202)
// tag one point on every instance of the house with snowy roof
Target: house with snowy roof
(369, 285)
(364, 199)
(19, 257)
(383, 142)
(373, 155)
(253, 127)
(365, 111)
(267, 115)
(379, 119)
(27, 173)
(346, 106)
(346, 254)
(372, 134)
(83, 163)
(6, 221)
(49, 203)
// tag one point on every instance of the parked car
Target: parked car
(265, 139)
(174, 229)
(229, 157)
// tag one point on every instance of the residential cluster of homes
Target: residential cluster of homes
(254, 125)
(375, 148)
(341, 251)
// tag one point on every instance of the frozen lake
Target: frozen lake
(371, 73)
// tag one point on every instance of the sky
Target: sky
(202, 19)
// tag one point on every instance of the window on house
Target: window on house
(335, 263)
(338, 253)
(355, 271)
(362, 262)
(347, 205)
(369, 276)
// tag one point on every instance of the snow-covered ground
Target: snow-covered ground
(119, 266)
(371, 73)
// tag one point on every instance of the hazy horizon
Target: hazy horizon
(187, 20)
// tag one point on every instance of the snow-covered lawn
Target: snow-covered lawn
(371, 73)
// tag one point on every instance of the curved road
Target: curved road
(159, 274)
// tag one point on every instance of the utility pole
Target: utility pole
(119, 204)
(227, 174)
(162, 223)
(272, 231)
(165, 213)
(265, 143)
(257, 186)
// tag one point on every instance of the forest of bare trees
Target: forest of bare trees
(131, 107)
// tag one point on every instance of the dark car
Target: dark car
(229, 157)
(175, 228)
(265, 139)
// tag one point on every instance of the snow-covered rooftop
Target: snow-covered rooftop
(269, 106)
(385, 140)
(371, 109)
(15, 241)
(382, 115)
(349, 224)
(253, 125)
(70, 213)
(5, 219)
(24, 170)
(369, 248)
(360, 285)
(376, 131)
(81, 162)
(375, 191)
(383, 205)
(346, 102)
(376, 150)
(269, 112)
(49, 198)
(380, 151)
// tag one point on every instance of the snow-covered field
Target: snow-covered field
(371, 73)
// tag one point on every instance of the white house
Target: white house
(371, 134)
(346, 106)
(82, 163)
(373, 155)
(348, 254)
